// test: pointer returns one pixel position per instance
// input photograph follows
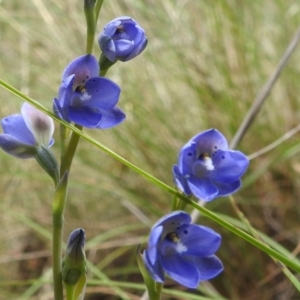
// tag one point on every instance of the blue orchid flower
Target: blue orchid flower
(25, 132)
(207, 168)
(182, 250)
(122, 39)
(87, 99)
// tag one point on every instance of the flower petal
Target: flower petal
(41, 125)
(199, 240)
(226, 189)
(153, 242)
(107, 46)
(84, 116)
(229, 166)
(187, 157)
(181, 270)
(202, 188)
(155, 269)
(83, 67)
(210, 141)
(111, 118)
(138, 49)
(181, 181)
(15, 126)
(209, 267)
(16, 147)
(172, 220)
(104, 93)
(123, 47)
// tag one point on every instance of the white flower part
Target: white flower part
(41, 125)
(208, 163)
(85, 97)
(180, 248)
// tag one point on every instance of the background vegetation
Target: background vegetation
(204, 64)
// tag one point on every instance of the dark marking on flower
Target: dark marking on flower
(120, 29)
(203, 156)
(215, 147)
(189, 154)
(223, 157)
(81, 89)
(185, 232)
(172, 236)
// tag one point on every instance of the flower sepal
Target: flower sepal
(48, 162)
(154, 289)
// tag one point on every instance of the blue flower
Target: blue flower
(25, 132)
(122, 39)
(207, 169)
(87, 99)
(182, 250)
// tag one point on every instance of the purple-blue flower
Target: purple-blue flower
(87, 99)
(122, 39)
(24, 132)
(207, 168)
(182, 250)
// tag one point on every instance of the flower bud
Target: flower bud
(74, 262)
(122, 39)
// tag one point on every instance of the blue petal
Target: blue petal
(15, 126)
(66, 90)
(107, 46)
(199, 240)
(156, 271)
(226, 189)
(187, 157)
(180, 181)
(154, 238)
(181, 271)
(209, 267)
(84, 116)
(229, 166)
(112, 26)
(15, 147)
(172, 220)
(104, 93)
(138, 49)
(210, 141)
(111, 118)
(123, 47)
(61, 112)
(83, 67)
(202, 188)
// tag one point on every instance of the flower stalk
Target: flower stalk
(58, 205)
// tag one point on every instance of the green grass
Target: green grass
(204, 64)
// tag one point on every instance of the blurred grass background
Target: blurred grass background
(204, 64)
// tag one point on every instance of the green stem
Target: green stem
(97, 9)
(58, 206)
(91, 24)
(67, 157)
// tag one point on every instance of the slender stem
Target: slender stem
(58, 205)
(56, 254)
(262, 96)
(91, 24)
(67, 157)
(97, 9)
